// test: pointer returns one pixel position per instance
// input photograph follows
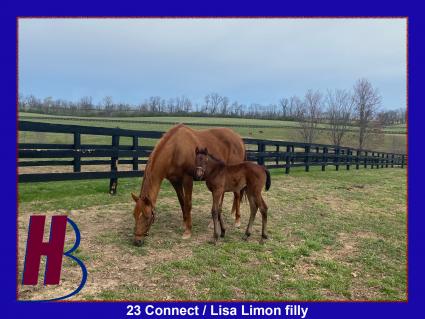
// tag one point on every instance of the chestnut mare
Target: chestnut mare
(173, 158)
(248, 177)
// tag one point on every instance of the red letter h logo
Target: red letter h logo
(37, 248)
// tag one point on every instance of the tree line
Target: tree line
(339, 109)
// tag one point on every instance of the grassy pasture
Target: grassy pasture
(382, 142)
(333, 236)
(211, 120)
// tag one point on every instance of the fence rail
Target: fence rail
(271, 153)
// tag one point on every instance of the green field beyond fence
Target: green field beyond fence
(392, 139)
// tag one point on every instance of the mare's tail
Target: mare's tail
(268, 179)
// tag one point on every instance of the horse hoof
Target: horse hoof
(238, 223)
(186, 235)
(213, 241)
(245, 237)
(222, 234)
(138, 243)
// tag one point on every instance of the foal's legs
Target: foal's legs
(236, 208)
(220, 218)
(263, 210)
(215, 213)
(253, 207)
(211, 223)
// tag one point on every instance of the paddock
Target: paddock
(334, 235)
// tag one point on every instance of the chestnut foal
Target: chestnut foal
(246, 177)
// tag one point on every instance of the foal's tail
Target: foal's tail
(243, 194)
(268, 179)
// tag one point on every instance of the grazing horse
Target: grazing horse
(247, 177)
(173, 159)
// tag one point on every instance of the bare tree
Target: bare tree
(308, 114)
(215, 103)
(21, 102)
(224, 105)
(86, 103)
(154, 104)
(186, 104)
(366, 101)
(402, 114)
(108, 104)
(294, 104)
(339, 108)
(284, 103)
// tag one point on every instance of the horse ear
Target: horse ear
(135, 198)
(197, 150)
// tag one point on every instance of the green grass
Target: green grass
(333, 236)
(208, 120)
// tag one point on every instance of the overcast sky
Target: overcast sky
(248, 60)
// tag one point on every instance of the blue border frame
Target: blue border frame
(10, 308)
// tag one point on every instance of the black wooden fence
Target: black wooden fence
(272, 154)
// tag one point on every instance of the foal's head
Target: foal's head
(144, 216)
(201, 162)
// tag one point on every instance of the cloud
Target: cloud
(250, 60)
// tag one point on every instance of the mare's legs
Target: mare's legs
(236, 208)
(187, 206)
(178, 187)
(253, 207)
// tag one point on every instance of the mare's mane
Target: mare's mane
(152, 157)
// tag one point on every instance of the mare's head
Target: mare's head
(201, 162)
(144, 216)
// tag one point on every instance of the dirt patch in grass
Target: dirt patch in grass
(110, 258)
(324, 243)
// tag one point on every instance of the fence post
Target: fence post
(387, 160)
(307, 157)
(292, 155)
(288, 159)
(366, 159)
(77, 146)
(357, 159)
(324, 158)
(373, 160)
(402, 161)
(382, 160)
(348, 159)
(113, 182)
(392, 160)
(377, 159)
(316, 160)
(277, 157)
(336, 158)
(135, 158)
(261, 148)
